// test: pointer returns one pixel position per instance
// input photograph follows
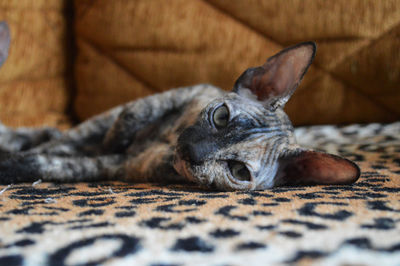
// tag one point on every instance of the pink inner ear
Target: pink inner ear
(310, 167)
(285, 70)
(276, 80)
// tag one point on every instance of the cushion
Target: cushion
(33, 86)
(130, 49)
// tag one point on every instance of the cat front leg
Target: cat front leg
(152, 165)
(21, 139)
(82, 140)
(79, 140)
(31, 167)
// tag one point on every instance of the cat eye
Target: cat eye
(221, 116)
(239, 171)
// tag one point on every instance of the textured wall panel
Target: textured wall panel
(33, 88)
(128, 49)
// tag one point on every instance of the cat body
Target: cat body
(238, 140)
(143, 141)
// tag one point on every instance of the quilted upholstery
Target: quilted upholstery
(128, 49)
(33, 89)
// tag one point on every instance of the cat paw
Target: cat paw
(17, 168)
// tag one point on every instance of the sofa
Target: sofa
(71, 60)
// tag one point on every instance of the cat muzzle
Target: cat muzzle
(181, 168)
(194, 145)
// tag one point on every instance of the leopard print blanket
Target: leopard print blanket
(119, 223)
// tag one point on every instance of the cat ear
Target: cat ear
(4, 41)
(274, 82)
(312, 167)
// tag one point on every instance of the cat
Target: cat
(237, 140)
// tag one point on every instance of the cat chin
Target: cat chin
(182, 169)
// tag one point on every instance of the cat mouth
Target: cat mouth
(181, 166)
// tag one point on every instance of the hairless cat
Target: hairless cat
(237, 140)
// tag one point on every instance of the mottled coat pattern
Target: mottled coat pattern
(238, 140)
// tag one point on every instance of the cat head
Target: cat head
(4, 41)
(244, 140)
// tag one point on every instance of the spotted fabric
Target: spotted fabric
(181, 224)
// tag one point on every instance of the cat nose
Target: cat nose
(190, 153)
(194, 145)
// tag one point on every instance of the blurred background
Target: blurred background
(70, 60)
